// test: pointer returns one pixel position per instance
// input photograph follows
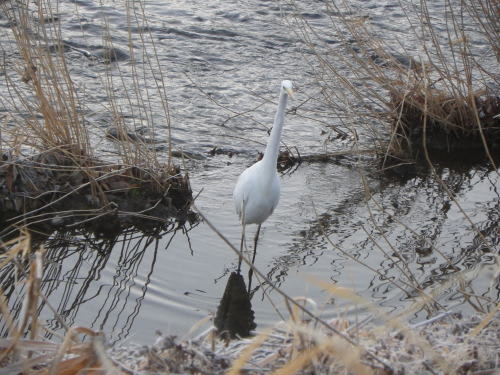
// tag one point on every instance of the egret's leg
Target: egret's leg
(250, 272)
(241, 247)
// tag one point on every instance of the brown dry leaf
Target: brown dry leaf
(29, 73)
(73, 366)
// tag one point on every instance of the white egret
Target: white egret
(257, 190)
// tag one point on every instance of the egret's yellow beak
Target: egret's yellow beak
(290, 92)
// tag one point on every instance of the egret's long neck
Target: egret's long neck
(273, 144)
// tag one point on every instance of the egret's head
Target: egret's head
(287, 86)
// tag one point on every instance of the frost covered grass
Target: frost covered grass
(381, 344)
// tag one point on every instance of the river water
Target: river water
(340, 222)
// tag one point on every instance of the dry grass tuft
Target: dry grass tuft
(25, 351)
(72, 357)
(46, 94)
(454, 124)
(53, 191)
(49, 173)
(277, 351)
(429, 84)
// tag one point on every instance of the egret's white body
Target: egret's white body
(257, 193)
(257, 190)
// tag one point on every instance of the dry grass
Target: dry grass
(25, 350)
(435, 74)
(52, 112)
(427, 90)
(447, 344)
(48, 154)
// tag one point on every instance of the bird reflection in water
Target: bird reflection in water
(235, 317)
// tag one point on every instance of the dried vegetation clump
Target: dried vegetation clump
(439, 122)
(432, 80)
(452, 346)
(49, 174)
(55, 189)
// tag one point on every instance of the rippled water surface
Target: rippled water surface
(339, 222)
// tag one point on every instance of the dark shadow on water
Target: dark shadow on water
(235, 317)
